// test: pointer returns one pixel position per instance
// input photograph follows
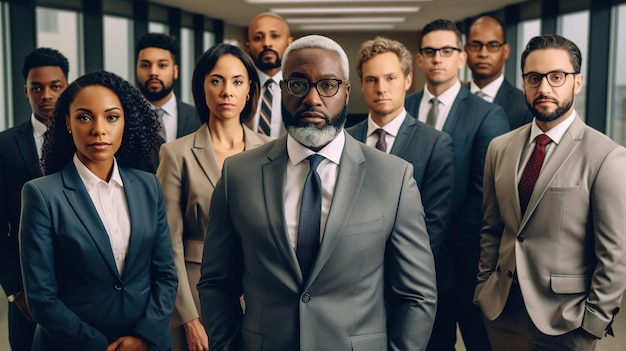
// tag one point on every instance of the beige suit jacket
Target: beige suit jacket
(188, 171)
(569, 249)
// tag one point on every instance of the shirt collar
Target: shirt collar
(447, 97)
(555, 133)
(91, 180)
(264, 77)
(38, 127)
(490, 89)
(391, 128)
(332, 152)
(169, 106)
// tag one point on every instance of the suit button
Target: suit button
(117, 287)
(306, 297)
(520, 238)
(509, 274)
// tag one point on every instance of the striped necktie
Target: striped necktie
(265, 120)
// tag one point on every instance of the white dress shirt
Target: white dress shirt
(276, 127)
(297, 170)
(446, 99)
(170, 118)
(489, 91)
(39, 129)
(555, 133)
(392, 128)
(110, 202)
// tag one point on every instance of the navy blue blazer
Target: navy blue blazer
(73, 287)
(18, 164)
(430, 153)
(513, 102)
(472, 123)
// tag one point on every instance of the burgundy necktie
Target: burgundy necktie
(531, 172)
(382, 143)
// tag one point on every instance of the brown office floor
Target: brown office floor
(609, 344)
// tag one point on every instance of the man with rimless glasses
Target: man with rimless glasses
(487, 50)
(553, 259)
(324, 236)
(471, 122)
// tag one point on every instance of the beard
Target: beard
(264, 66)
(560, 110)
(154, 95)
(310, 135)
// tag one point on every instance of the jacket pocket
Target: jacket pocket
(569, 283)
(370, 342)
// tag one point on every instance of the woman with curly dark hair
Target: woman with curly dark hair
(225, 87)
(95, 246)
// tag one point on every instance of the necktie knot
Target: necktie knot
(382, 142)
(542, 140)
(481, 94)
(268, 83)
(314, 161)
(159, 113)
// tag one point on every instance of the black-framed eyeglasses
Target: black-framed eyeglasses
(555, 78)
(492, 46)
(445, 51)
(299, 87)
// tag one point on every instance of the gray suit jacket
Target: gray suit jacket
(569, 248)
(188, 172)
(372, 286)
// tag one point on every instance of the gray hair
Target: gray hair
(318, 42)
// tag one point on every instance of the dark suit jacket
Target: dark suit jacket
(472, 123)
(430, 153)
(375, 249)
(513, 102)
(18, 164)
(188, 120)
(72, 284)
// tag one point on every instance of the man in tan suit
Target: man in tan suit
(553, 258)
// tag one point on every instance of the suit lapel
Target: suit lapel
(86, 213)
(405, 134)
(562, 152)
(274, 179)
(205, 155)
(509, 160)
(453, 116)
(347, 188)
(26, 146)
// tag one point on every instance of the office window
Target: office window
(525, 31)
(61, 30)
(156, 27)
(186, 64)
(208, 40)
(5, 97)
(575, 27)
(617, 93)
(118, 55)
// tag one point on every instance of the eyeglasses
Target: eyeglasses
(299, 87)
(445, 51)
(555, 78)
(476, 46)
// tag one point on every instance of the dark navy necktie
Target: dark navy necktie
(310, 218)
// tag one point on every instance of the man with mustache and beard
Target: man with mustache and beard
(324, 236)
(156, 72)
(553, 259)
(268, 37)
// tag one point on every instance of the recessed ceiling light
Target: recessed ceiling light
(346, 10)
(362, 26)
(340, 20)
(320, 1)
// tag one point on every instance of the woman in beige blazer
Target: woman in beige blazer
(225, 87)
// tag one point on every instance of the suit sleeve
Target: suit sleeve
(6, 254)
(494, 124)
(169, 173)
(491, 233)
(163, 288)
(221, 273)
(608, 206)
(38, 268)
(411, 271)
(436, 191)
